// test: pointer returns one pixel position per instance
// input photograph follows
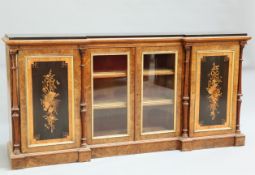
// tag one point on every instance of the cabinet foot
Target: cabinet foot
(186, 144)
(26, 160)
(239, 139)
(84, 154)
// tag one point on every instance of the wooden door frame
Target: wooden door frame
(232, 51)
(177, 49)
(29, 144)
(89, 88)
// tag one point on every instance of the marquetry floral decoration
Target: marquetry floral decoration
(50, 100)
(214, 90)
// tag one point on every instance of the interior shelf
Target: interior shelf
(158, 72)
(110, 105)
(155, 129)
(110, 133)
(112, 74)
(156, 102)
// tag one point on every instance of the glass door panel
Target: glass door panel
(110, 95)
(158, 87)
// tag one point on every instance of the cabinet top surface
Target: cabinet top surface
(86, 36)
(80, 39)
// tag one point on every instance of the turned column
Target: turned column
(15, 110)
(186, 89)
(239, 88)
(83, 105)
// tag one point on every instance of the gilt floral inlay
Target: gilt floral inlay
(214, 90)
(49, 100)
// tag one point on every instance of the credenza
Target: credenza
(73, 98)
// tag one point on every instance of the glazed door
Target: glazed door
(213, 90)
(111, 95)
(158, 72)
(49, 98)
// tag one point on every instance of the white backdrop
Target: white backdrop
(118, 17)
(128, 16)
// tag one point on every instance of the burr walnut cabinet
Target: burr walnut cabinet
(73, 98)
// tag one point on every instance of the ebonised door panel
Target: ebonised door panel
(49, 80)
(213, 90)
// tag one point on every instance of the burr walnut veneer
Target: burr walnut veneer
(74, 98)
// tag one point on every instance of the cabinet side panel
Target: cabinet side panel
(8, 92)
